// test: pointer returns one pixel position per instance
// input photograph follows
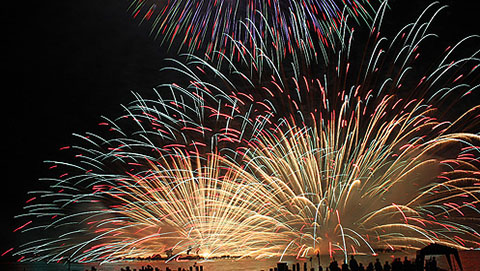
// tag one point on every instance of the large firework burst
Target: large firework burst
(253, 155)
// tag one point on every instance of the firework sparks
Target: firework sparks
(209, 25)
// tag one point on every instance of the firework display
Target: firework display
(252, 154)
(210, 25)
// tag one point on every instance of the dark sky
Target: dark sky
(68, 62)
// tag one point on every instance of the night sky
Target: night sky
(66, 63)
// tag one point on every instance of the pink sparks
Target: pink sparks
(403, 214)
(3, 254)
(23, 226)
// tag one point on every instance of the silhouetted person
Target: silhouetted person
(345, 266)
(387, 267)
(397, 265)
(378, 265)
(407, 264)
(353, 264)
(370, 266)
(334, 266)
(361, 267)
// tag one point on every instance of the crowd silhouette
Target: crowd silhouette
(396, 265)
(353, 265)
(195, 267)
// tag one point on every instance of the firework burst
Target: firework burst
(209, 25)
(376, 183)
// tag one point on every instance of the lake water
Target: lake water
(470, 261)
